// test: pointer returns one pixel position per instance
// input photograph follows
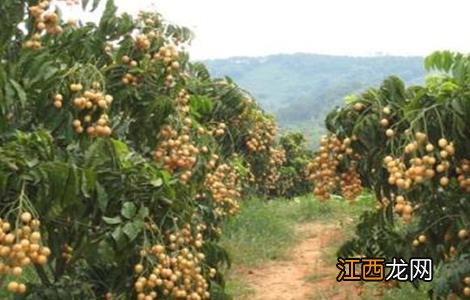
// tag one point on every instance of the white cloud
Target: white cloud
(348, 27)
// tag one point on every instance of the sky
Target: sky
(226, 28)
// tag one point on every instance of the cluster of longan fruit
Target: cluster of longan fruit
(89, 103)
(44, 19)
(128, 61)
(176, 152)
(421, 168)
(261, 136)
(350, 183)
(419, 240)
(219, 130)
(277, 157)
(176, 270)
(466, 289)
(129, 79)
(67, 252)
(182, 105)
(19, 248)
(463, 175)
(169, 55)
(225, 189)
(322, 171)
(142, 42)
(404, 208)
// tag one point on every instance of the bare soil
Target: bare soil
(308, 271)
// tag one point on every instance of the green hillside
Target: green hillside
(301, 88)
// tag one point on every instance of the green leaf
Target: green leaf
(132, 229)
(88, 181)
(350, 99)
(143, 213)
(112, 221)
(106, 252)
(128, 210)
(95, 5)
(118, 236)
(102, 197)
(19, 91)
(156, 182)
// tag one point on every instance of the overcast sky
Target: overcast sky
(225, 28)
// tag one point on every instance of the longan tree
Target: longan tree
(411, 148)
(119, 158)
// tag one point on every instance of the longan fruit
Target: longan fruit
(12, 286)
(444, 181)
(35, 236)
(139, 268)
(442, 142)
(429, 148)
(21, 288)
(463, 234)
(17, 271)
(57, 104)
(26, 217)
(422, 239)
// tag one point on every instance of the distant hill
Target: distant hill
(301, 88)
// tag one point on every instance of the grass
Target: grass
(265, 231)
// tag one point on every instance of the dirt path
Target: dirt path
(307, 273)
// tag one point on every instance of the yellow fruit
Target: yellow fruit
(9, 238)
(463, 234)
(422, 239)
(16, 271)
(12, 286)
(429, 148)
(386, 110)
(389, 133)
(408, 209)
(442, 143)
(26, 217)
(399, 207)
(466, 280)
(415, 243)
(139, 268)
(384, 122)
(41, 259)
(46, 251)
(76, 87)
(358, 106)
(40, 26)
(444, 181)
(21, 288)
(420, 137)
(466, 291)
(444, 154)
(57, 104)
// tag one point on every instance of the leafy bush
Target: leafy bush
(411, 147)
(119, 158)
